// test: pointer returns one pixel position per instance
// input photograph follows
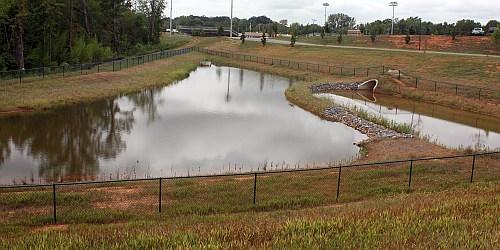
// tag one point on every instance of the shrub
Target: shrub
(496, 36)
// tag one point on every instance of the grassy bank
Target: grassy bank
(481, 72)
(462, 44)
(60, 92)
(457, 218)
(376, 208)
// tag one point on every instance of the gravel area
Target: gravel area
(340, 114)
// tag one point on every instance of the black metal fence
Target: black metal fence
(93, 201)
(88, 68)
(324, 68)
(447, 88)
(411, 81)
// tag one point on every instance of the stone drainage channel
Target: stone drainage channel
(341, 114)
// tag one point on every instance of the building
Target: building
(206, 31)
(354, 33)
(254, 35)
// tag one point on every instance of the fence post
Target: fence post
(159, 197)
(411, 171)
(20, 76)
(81, 69)
(338, 183)
(435, 86)
(456, 89)
(367, 71)
(113, 66)
(473, 165)
(254, 188)
(399, 74)
(416, 82)
(383, 69)
(479, 93)
(354, 71)
(54, 202)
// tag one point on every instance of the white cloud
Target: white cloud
(303, 11)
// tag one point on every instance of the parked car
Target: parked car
(491, 30)
(478, 32)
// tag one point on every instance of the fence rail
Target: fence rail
(411, 81)
(88, 68)
(67, 202)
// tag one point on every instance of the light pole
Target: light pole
(326, 5)
(420, 37)
(314, 20)
(393, 4)
(170, 17)
(231, 28)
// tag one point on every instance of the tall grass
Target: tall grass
(429, 220)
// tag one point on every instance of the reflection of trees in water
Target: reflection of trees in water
(67, 145)
(5, 150)
(147, 102)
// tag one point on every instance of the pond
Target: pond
(446, 126)
(218, 120)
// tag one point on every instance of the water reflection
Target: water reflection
(218, 120)
(65, 145)
(448, 126)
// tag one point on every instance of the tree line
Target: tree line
(38, 33)
(338, 23)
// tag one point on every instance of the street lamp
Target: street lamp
(393, 4)
(326, 5)
(170, 17)
(314, 20)
(420, 37)
(231, 28)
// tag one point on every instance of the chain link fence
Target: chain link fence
(92, 202)
(446, 88)
(409, 80)
(88, 68)
(323, 68)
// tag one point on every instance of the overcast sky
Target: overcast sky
(303, 11)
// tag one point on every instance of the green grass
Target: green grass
(438, 219)
(376, 208)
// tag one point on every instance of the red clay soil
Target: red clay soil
(466, 44)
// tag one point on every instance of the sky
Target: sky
(303, 11)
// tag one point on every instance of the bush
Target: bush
(496, 36)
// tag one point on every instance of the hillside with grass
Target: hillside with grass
(461, 215)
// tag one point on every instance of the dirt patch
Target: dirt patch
(472, 44)
(53, 227)
(380, 149)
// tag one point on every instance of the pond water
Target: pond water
(218, 120)
(447, 126)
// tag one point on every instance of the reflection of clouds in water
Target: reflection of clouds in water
(441, 126)
(187, 126)
(200, 130)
